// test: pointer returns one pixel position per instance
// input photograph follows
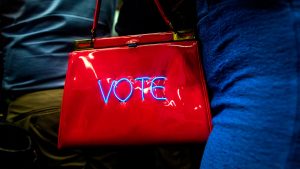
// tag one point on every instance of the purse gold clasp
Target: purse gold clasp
(83, 44)
(183, 35)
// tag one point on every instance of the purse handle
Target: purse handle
(97, 12)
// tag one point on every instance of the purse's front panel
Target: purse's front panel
(145, 94)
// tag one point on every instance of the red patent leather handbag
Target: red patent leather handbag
(133, 90)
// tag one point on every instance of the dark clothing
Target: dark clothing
(142, 16)
(138, 17)
(37, 37)
(251, 56)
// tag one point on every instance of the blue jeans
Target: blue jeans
(251, 57)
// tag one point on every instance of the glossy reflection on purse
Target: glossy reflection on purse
(135, 90)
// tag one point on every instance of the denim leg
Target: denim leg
(251, 60)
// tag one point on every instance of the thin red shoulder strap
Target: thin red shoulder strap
(162, 14)
(96, 18)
